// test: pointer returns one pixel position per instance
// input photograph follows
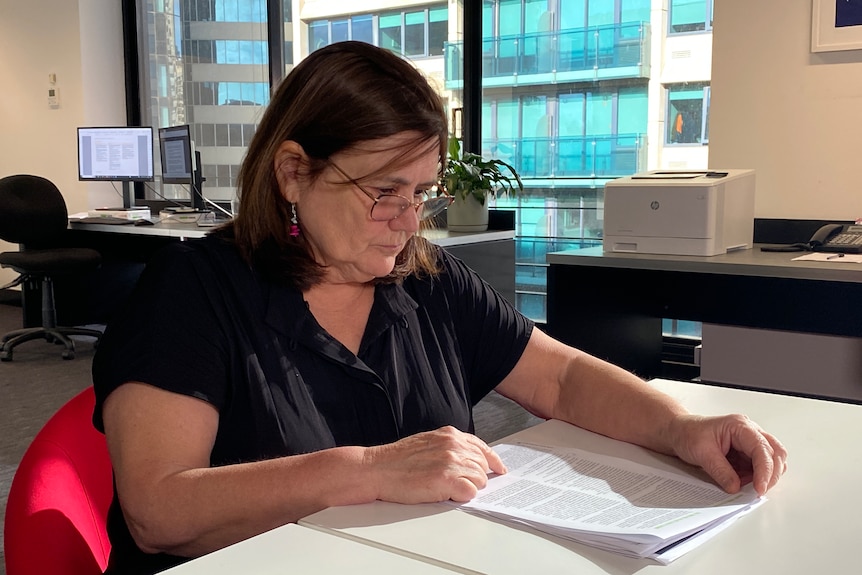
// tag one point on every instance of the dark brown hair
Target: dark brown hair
(338, 96)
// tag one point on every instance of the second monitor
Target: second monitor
(180, 162)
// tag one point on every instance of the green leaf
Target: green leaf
(467, 173)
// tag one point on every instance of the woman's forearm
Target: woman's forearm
(553, 380)
(195, 511)
(608, 400)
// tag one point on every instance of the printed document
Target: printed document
(608, 502)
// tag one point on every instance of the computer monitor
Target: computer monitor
(181, 164)
(175, 145)
(115, 154)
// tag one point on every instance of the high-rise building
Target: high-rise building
(575, 92)
(207, 65)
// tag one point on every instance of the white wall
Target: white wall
(81, 42)
(793, 115)
(37, 38)
(103, 84)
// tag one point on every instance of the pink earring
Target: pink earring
(294, 224)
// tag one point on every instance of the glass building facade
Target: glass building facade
(207, 65)
(575, 92)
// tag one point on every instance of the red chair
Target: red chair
(59, 499)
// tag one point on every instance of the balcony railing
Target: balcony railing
(569, 157)
(597, 52)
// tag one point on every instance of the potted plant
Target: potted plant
(471, 179)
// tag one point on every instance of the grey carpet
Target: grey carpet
(38, 381)
(32, 387)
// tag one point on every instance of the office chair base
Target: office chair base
(53, 335)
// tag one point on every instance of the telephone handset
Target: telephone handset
(837, 238)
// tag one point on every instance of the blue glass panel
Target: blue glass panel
(572, 14)
(247, 91)
(634, 11)
(535, 13)
(318, 35)
(531, 278)
(488, 18)
(414, 33)
(339, 31)
(600, 12)
(687, 15)
(573, 51)
(599, 113)
(571, 157)
(534, 306)
(510, 17)
(632, 110)
(362, 29)
(390, 32)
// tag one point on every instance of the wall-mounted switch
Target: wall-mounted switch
(53, 97)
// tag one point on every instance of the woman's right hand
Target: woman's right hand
(432, 466)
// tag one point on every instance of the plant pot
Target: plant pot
(467, 215)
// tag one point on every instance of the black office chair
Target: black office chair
(33, 214)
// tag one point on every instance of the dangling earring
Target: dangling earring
(294, 224)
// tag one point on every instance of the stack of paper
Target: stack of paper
(607, 502)
(133, 213)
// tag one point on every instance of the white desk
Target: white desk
(170, 230)
(175, 229)
(811, 524)
(295, 549)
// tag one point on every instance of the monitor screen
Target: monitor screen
(119, 154)
(175, 144)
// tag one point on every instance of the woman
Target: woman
(316, 352)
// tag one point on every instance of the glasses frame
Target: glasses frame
(404, 201)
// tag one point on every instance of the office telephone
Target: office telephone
(837, 238)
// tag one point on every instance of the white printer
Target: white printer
(693, 213)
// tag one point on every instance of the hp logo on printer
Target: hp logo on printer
(654, 205)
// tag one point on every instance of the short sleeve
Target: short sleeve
(492, 334)
(168, 333)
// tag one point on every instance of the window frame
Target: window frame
(670, 114)
(707, 20)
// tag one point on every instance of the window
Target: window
(199, 54)
(236, 10)
(687, 114)
(242, 94)
(390, 32)
(318, 35)
(362, 28)
(240, 52)
(582, 121)
(415, 33)
(287, 48)
(566, 92)
(690, 16)
(339, 31)
(438, 23)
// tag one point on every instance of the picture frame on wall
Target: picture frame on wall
(836, 25)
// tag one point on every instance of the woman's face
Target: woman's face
(335, 218)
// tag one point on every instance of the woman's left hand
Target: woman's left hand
(732, 449)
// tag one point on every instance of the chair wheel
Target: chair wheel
(5, 356)
(68, 354)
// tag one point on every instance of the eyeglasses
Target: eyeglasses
(388, 207)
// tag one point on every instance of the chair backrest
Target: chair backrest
(32, 211)
(58, 503)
